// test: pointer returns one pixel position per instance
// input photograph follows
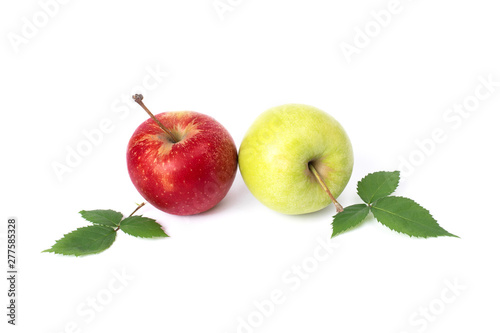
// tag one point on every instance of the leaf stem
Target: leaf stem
(138, 99)
(138, 207)
(320, 180)
(135, 210)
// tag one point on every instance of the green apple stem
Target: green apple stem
(138, 99)
(338, 206)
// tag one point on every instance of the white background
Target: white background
(80, 67)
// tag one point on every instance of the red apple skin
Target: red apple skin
(187, 177)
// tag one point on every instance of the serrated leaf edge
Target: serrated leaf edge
(51, 250)
(148, 218)
(97, 223)
(370, 174)
(412, 221)
(395, 188)
(353, 226)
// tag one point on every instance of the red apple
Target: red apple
(182, 163)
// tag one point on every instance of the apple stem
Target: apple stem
(138, 99)
(338, 206)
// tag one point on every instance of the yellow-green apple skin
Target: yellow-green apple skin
(277, 149)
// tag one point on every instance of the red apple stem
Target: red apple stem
(138, 99)
(320, 180)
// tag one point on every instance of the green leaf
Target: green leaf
(105, 217)
(349, 218)
(139, 226)
(377, 185)
(87, 240)
(406, 216)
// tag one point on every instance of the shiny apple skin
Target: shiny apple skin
(187, 177)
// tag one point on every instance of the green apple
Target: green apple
(282, 151)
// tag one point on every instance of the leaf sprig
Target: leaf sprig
(397, 213)
(101, 234)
